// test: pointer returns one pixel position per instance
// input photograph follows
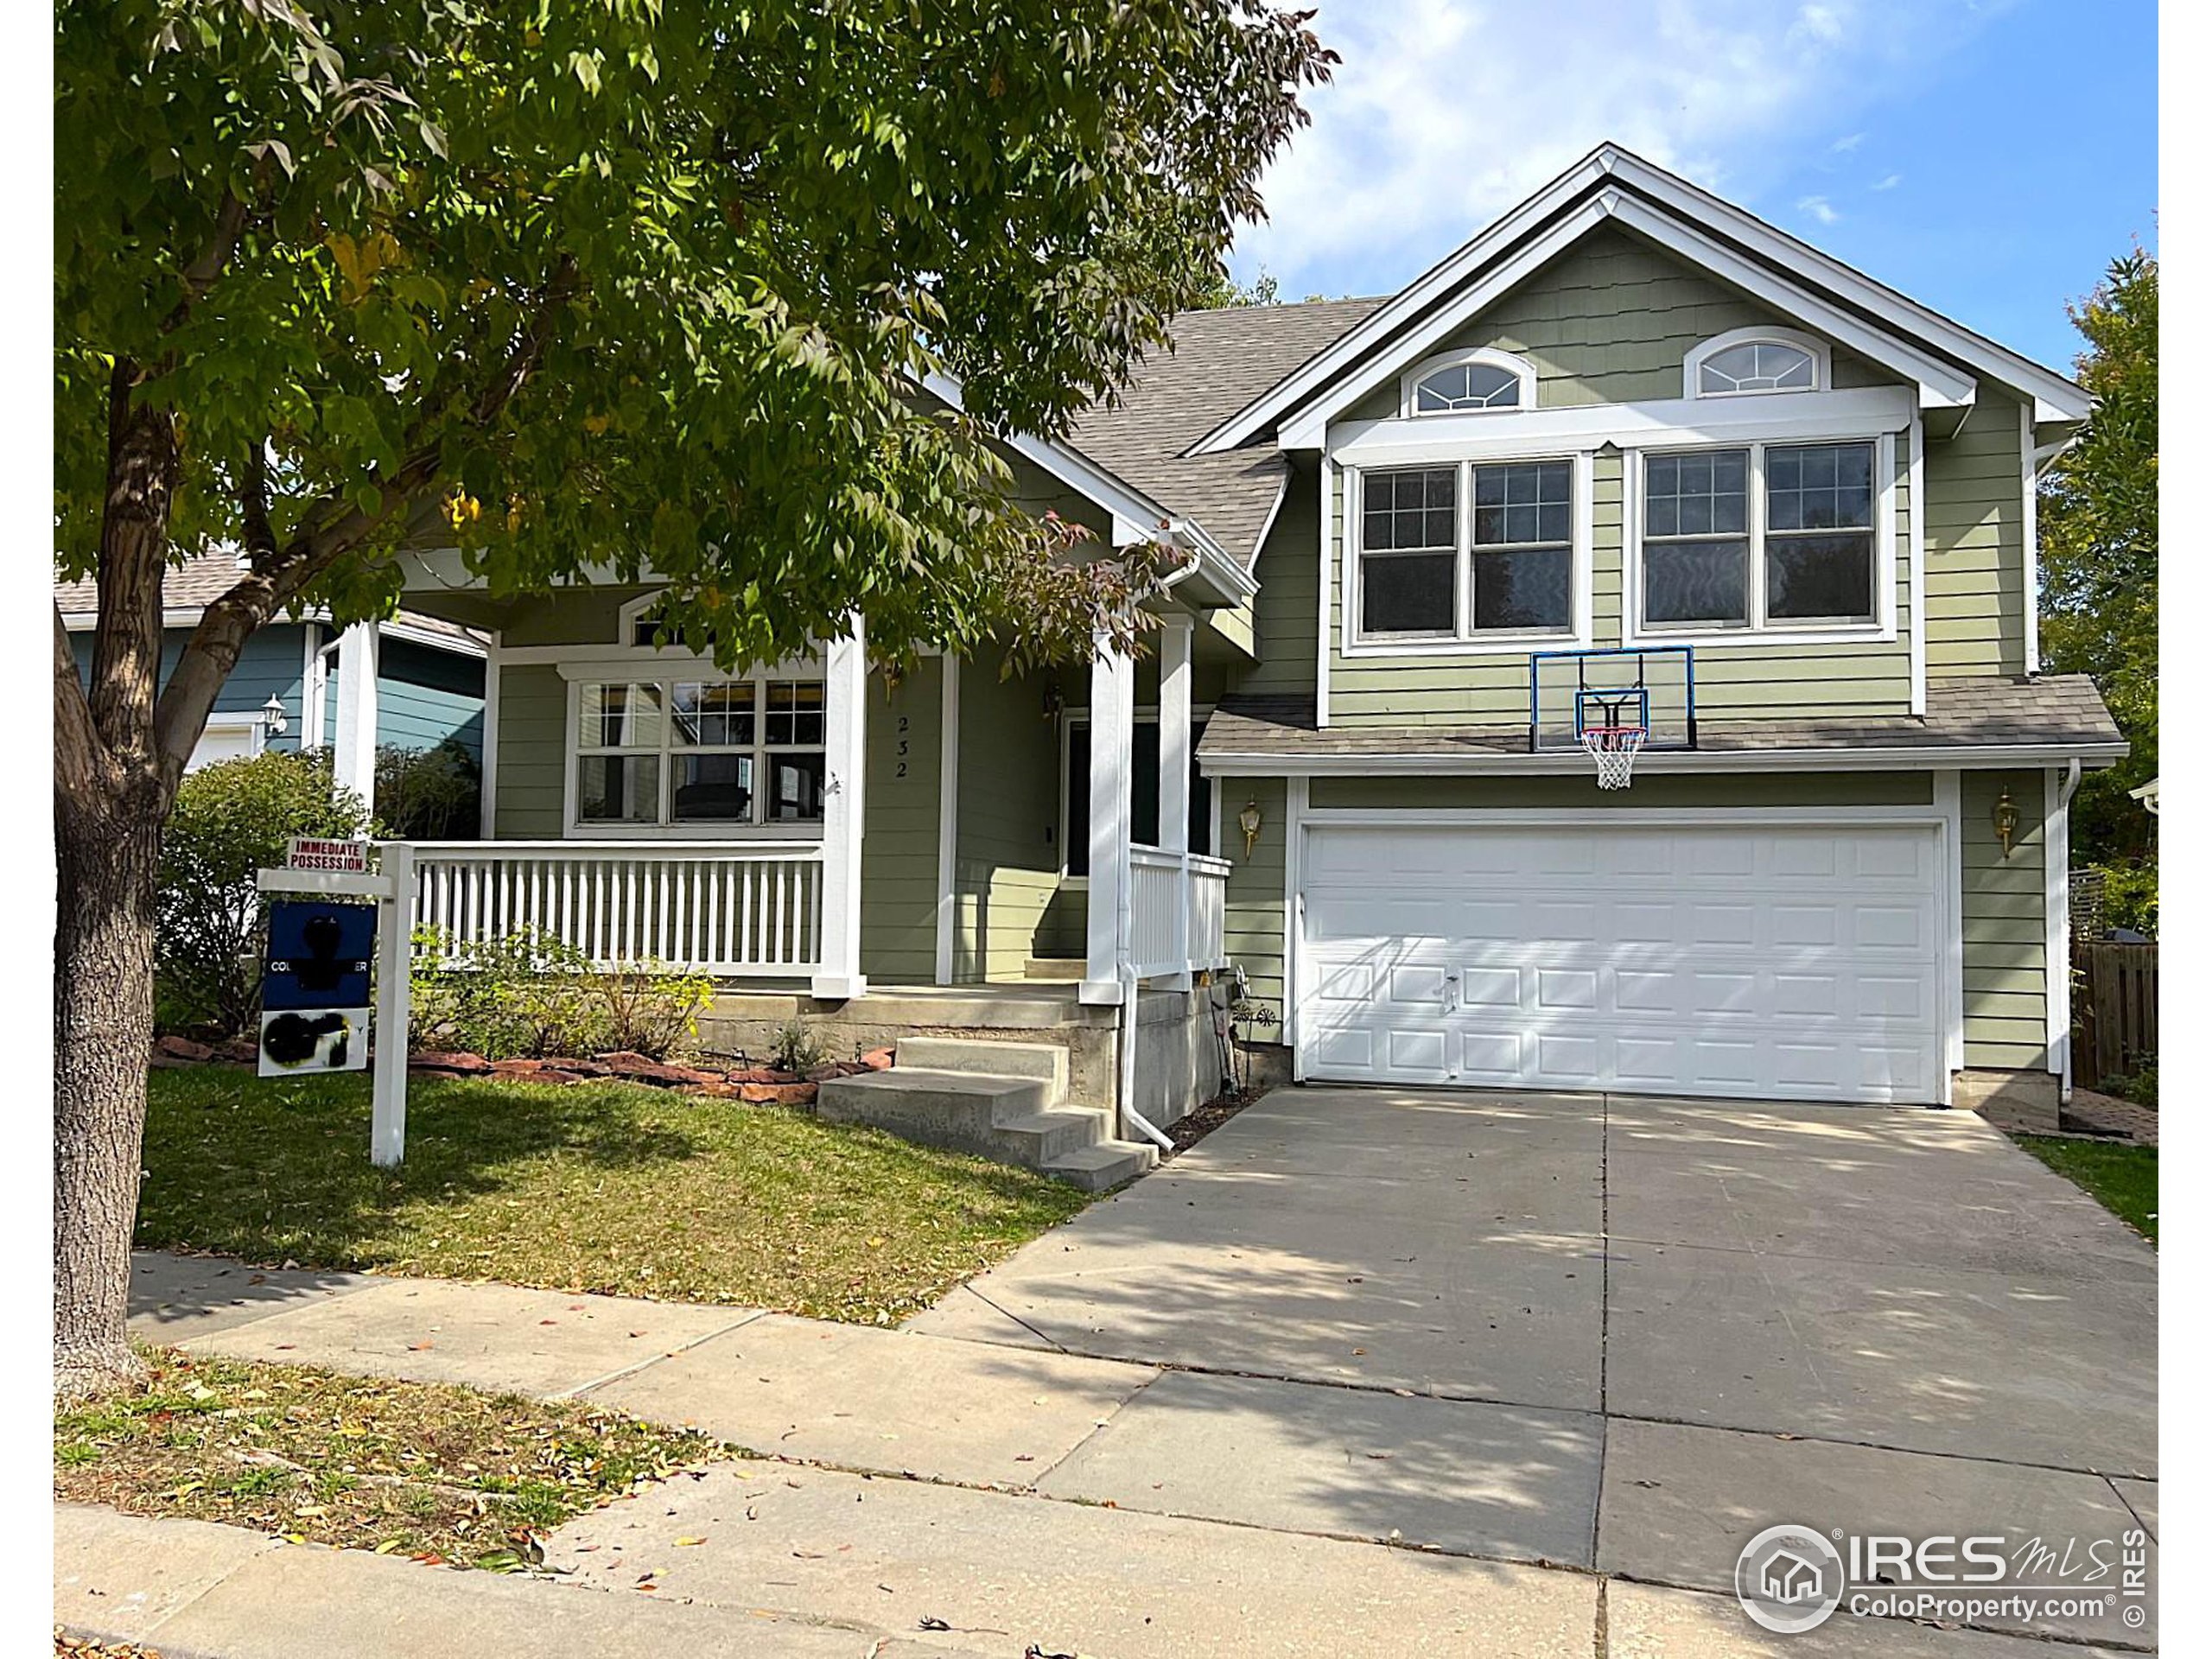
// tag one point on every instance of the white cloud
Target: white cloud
(1848, 143)
(1818, 207)
(1445, 112)
(1890, 182)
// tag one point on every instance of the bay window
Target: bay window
(698, 751)
(1758, 537)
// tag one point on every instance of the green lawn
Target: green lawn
(2123, 1179)
(433, 1471)
(603, 1187)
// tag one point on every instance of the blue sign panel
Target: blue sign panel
(319, 954)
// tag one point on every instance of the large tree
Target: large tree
(647, 285)
(2098, 520)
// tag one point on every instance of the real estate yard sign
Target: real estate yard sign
(315, 987)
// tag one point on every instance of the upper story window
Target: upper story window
(695, 751)
(1755, 361)
(1768, 536)
(1465, 381)
(1427, 570)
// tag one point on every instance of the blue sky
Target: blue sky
(1987, 158)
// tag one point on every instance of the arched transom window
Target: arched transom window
(1755, 361)
(1479, 380)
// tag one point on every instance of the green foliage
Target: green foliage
(529, 995)
(428, 794)
(230, 820)
(2131, 896)
(2140, 1086)
(2098, 527)
(623, 285)
(797, 1049)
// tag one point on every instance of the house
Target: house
(1789, 1578)
(290, 690)
(1630, 458)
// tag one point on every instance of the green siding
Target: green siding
(1006, 872)
(1286, 634)
(574, 616)
(1252, 924)
(533, 709)
(2002, 909)
(899, 845)
(1976, 577)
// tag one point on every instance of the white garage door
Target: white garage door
(1791, 963)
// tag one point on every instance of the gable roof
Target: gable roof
(1612, 185)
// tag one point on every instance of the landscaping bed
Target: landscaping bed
(590, 1185)
(440, 1474)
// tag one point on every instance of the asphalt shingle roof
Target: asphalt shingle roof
(2060, 711)
(1222, 360)
(200, 581)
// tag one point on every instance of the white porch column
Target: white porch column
(1113, 721)
(845, 720)
(1175, 770)
(353, 757)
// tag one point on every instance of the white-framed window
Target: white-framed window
(691, 752)
(1462, 383)
(1763, 539)
(1745, 362)
(1470, 552)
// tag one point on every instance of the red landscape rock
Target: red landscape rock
(438, 1059)
(642, 1068)
(877, 1060)
(777, 1093)
(182, 1048)
(717, 1089)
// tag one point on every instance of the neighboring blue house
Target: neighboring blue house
(427, 686)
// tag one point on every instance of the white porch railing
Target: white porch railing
(732, 911)
(1176, 902)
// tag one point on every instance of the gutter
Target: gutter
(1262, 764)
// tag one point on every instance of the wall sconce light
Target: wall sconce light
(273, 722)
(1248, 821)
(1053, 701)
(2004, 819)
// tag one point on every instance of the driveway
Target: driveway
(1604, 1331)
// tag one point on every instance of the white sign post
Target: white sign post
(393, 888)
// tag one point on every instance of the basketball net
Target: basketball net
(1614, 748)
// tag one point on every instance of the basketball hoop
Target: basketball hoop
(1614, 748)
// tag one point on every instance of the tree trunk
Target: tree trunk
(107, 854)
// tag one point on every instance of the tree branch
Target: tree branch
(80, 758)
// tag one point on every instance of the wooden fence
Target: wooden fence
(2115, 1009)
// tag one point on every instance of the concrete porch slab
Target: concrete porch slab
(1501, 1481)
(1005, 1571)
(1681, 1502)
(541, 1343)
(882, 1399)
(2057, 1371)
(174, 1297)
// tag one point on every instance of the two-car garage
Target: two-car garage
(1717, 956)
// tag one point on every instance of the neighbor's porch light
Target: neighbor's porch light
(2004, 819)
(1248, 821)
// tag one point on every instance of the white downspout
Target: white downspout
(1126, 973)
(2065, 853)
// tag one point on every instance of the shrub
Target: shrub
(428, 794)
(2140, 1086)
(529, 995)
(2132, 897)
(231, 819)
(796, 1048)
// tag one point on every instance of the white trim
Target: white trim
(1520, 368)
(353, 759)
(2031, 648)
(1467, 641)
(415, 634)
(1505, 763)
(487, 793)
(1112, 720)
(948, 813)
(1267, 523)
(1917, 559)
(1817, 349)
(1295, 791)
(2058, 399)
(1883, 630)
(1329, 470)
(1795, 417)
(643, 663)
(1947, 795)
(188, 616)
(844, 814)
(2058, 787)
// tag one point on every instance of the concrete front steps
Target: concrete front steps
(1002, 1100)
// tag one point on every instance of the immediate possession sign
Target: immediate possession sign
(310, 853)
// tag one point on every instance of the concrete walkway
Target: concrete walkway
(1568, 1354)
